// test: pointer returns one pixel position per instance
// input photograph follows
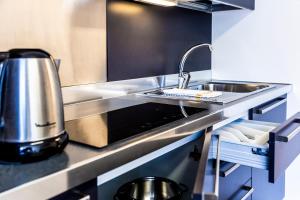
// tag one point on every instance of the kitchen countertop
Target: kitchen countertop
(79, 163)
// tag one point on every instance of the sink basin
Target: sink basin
(230, 91)
(230, 87)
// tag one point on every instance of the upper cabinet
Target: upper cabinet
(216, 5)
(208, 6)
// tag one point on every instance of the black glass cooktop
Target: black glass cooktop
(107, 128)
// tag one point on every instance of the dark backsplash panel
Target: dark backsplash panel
(145, 40)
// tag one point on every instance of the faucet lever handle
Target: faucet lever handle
(184, 80)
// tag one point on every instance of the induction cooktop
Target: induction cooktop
(107, 128)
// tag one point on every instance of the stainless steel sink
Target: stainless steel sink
(230, 91)
(230, 87)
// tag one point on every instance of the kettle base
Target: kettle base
(32, 151)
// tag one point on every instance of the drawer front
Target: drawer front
(273, 111)
(233, 178)
(245, 192)
(282, 148)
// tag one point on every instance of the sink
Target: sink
(230, 87)
(230, 91)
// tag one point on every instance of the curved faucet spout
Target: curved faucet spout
(183, 78)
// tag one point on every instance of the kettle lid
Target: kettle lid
(28, 53)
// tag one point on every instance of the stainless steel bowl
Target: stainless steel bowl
(151, 188)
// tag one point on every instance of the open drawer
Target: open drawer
(281, 148)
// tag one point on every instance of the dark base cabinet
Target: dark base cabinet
(241, 182)
(176, 165)
(249, 183)
(273, 111)
(236, 182)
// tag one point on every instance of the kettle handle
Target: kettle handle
(3, 57)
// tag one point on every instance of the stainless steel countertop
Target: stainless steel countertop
(78, 163)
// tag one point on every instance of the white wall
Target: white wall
(262, 45)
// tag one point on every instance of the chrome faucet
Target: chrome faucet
(184, 77)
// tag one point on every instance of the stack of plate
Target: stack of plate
(192, 93)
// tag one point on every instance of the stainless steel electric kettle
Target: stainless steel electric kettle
(31, 106)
